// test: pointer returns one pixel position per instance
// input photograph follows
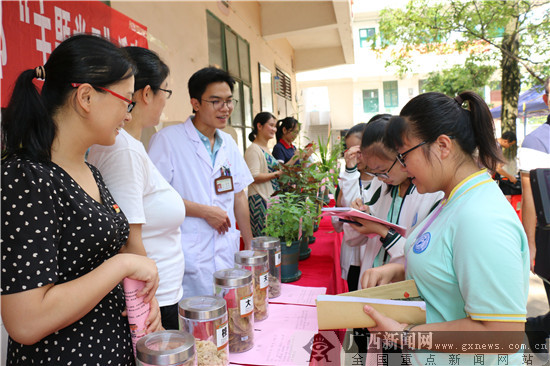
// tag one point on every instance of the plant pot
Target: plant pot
(290, 256)
(315, 227)
(305, 252)
(312, 239)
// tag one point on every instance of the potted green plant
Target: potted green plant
(306, 180)
(328, 163)
(283, 221)
(308, 218)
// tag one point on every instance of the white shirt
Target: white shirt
(146, 198)
(535, 150)
(183, 160)
(415, 208)
(350, 189)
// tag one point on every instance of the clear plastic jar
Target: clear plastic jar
(166, 348)
(235, 286)
(273, 248)
(205, 317)
(256, 262)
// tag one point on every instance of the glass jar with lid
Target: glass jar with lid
(273, 248)
(205, 317)
(235, 286)
(166, 348)
(256, 262)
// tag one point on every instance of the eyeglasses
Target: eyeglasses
(131, 104)
(401, 157)
(382, 175)
(168, 91)
(218, 103)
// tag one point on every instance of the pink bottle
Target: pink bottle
(137, 310)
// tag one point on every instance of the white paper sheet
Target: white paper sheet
(298, 295)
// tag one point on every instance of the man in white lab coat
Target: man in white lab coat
(205, 166)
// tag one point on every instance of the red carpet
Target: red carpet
(322, 268)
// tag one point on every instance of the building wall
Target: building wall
(346, 83)
(177, 31)
(340, 94)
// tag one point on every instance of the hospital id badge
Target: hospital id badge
(223, 184)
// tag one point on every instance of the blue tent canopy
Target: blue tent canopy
(530, 104)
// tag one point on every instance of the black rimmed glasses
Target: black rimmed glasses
(382, 175)
(131, 104)
(401, 157)
(167, 91)
(218, 103)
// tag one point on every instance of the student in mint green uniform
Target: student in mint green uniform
(469, 257)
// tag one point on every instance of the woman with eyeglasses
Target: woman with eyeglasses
(391, 196)
(469, 257)
(154, 209)
(62, 231)
(284, 151)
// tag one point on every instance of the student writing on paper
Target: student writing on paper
(356, 182)
(391, 197)
(470, 257)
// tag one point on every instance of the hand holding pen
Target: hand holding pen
(359, 205)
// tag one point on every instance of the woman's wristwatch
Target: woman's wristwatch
(389, 237)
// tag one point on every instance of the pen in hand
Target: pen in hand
(350, 222)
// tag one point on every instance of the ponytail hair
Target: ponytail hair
(289, 123)
(28, 128)
(261, 118)
(466, 118)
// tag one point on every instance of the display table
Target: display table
(290, 336)
(322, 268)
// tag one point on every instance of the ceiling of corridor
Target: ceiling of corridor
(319, 31)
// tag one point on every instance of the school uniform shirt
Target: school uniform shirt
(181, 157)
(351, 188)
(282, 151)
(146, 198)
(408, 212)
(470, 258)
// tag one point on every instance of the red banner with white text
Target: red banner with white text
(32, 29)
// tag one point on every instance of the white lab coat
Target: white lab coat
(183, 160)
